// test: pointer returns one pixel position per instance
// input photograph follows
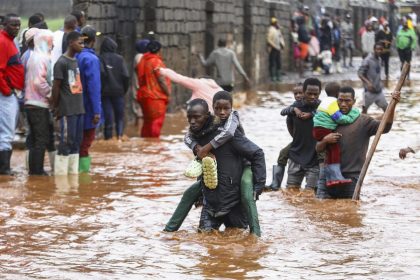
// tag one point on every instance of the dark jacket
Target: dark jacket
(385, 38)
(325, 39)
(114, 73)
(230, 165)
(302, 150)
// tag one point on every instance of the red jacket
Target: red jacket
(11, 69)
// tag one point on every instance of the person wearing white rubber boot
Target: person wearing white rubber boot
(67, 104)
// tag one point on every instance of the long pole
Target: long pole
(389, 109)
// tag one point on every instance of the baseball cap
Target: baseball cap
(30, 34)
(89, 32)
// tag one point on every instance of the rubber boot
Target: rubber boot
(278, 173)
(51, 157)
(73, 164)
(5, 163)
(61, 165)
(84, 164)
(333, 176)
(27, 160)
(248, 202)
(36, 162)
(278, 75)
(273, 74)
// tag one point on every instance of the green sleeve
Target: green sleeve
(414, 41)
(349, 118)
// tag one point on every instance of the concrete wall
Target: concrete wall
(50, 8)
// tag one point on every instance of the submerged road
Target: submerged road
(108, 225)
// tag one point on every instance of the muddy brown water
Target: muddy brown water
(108, 225)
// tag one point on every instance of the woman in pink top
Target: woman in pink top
(201, 87)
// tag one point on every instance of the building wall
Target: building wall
(50, 8)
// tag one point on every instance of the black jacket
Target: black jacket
(230, 165)
(302, 150)
(114, 73)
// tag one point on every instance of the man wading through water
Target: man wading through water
(232, 175)
(354, 142)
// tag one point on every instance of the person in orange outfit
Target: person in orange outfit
(154, 90)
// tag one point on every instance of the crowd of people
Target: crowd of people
(327, 41)
(65, 89)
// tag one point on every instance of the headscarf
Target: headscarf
(141, 45)
(154, 46)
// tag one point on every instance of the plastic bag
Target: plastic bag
(194, 169)
(210, 172)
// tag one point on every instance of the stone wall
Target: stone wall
(50, 8)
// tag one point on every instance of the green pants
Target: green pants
(192, 194)
(284, 155)
(248, 202)
(188, 199)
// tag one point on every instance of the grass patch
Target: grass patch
(53, 23)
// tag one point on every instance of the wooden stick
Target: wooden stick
(389, 109)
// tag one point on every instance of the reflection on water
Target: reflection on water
(108, 225)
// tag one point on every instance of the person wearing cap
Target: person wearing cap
(225, 61)
(37, 92)
(384, 36)
(67, 105)
(154, 90)
(11, 83)
(275, 43)
(90, 75)
(406, 42)
(347, 32)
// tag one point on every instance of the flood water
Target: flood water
(108, 225)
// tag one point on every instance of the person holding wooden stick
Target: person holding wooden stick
(354, 142)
